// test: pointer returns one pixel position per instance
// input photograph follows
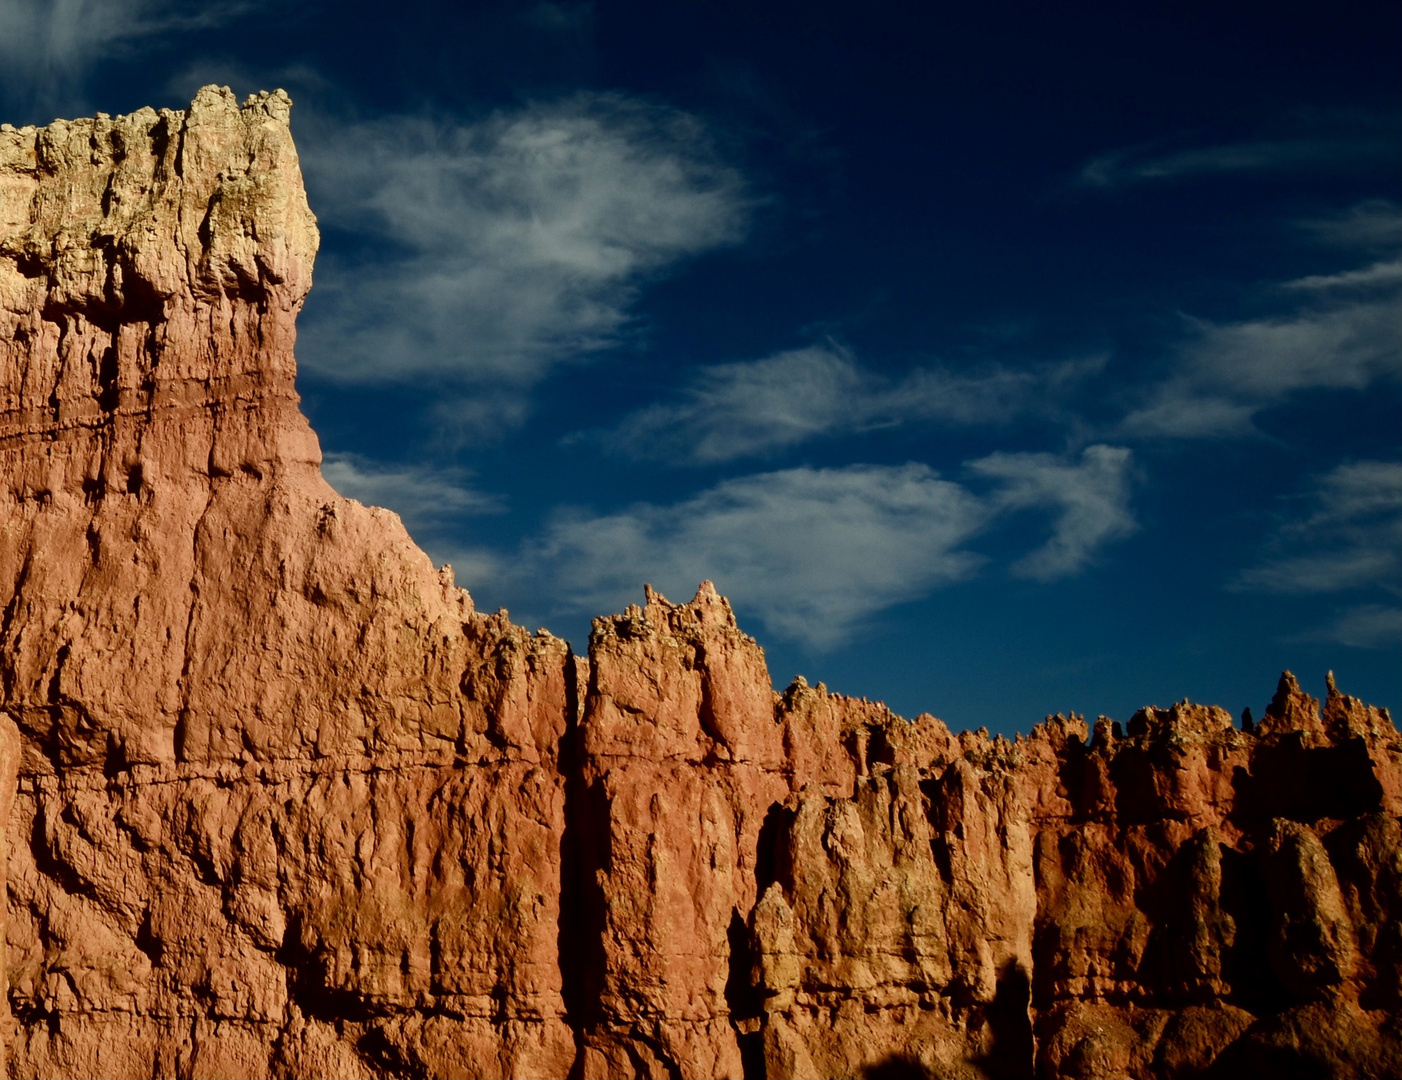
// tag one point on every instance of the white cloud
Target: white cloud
(738, 410)
(1367, 626)
(814, 552)
(1090, 499)
(46, 45)
(426, 498)
(811, 551)
(1370, 225)
(1230, 372)
(1384, 274)
(1349, 537)
(1363, 139)
(506, 246)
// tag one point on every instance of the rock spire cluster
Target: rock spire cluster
(276, 800)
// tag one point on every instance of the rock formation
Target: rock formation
(277, 801)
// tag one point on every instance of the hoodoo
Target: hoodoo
(277, 801)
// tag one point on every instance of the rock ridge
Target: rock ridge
(277, 800)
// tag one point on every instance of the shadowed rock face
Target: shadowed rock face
(277, 801)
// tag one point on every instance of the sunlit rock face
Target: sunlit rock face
(278, 801)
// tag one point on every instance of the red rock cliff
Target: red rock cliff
(277, 801)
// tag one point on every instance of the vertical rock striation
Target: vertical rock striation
(275, 800)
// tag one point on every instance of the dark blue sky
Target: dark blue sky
(994, 359)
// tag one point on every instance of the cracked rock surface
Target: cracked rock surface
(278, 801)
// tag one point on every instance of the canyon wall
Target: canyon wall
(278, 801)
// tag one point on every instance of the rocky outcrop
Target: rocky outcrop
(278, 801)
(275, 775)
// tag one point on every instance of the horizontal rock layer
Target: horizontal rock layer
(277, 800)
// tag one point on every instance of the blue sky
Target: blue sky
(994, 359)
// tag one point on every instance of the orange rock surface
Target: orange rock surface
(277, 801)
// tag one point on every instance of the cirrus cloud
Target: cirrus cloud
(1368, 225)
(1349, 537)
(726, 412)
(1348, 541)
(427, 498)
(46, 46)
(813, 553)
(1304, 142)
(506, 246)
(1228, 373)
(1089, 499)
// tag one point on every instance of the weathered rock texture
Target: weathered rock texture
(277, 801)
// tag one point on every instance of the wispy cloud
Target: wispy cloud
(1356, 140)
(731, 411)
(1346, 539)
(1380, 274)
(811, 551)
(1367, 626)
(1229, 372)
(46, 46)
(506, 246)
(429, 499)
(1089, 499)
(1349, 537)
(1342, 331)
(1370, 225)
